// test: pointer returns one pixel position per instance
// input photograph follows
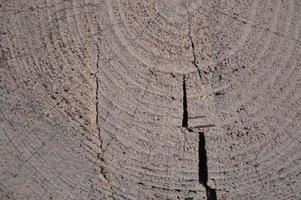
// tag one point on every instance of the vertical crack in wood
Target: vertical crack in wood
(100, 156)
(202, 165)
(96, 98)
(194, 61)
(211, 193)
(203, 168)
(185, 111)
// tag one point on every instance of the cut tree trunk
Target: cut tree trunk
(140, 99)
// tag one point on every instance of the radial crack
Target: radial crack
(202, 165)
(194, 61)
(185, 111)
(96, 96)
(211, 193)
(203, 168)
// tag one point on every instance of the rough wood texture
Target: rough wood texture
(149, 99)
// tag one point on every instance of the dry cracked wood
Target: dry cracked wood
(148, 99)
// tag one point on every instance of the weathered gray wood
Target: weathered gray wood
(93, 103)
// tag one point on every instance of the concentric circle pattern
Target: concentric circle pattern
(107, 99)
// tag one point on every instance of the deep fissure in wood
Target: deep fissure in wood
(203, 168)
(185, 111)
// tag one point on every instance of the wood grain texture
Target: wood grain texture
(149, 99)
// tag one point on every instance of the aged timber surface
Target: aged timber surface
(150, 99)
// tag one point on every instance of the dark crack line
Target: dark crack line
(203, 168)
(194, 56)
(185, 111)
(202, 165)
(211, 193)
(98, 128)
(192, 45)
(96, 97)
(194, 61)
